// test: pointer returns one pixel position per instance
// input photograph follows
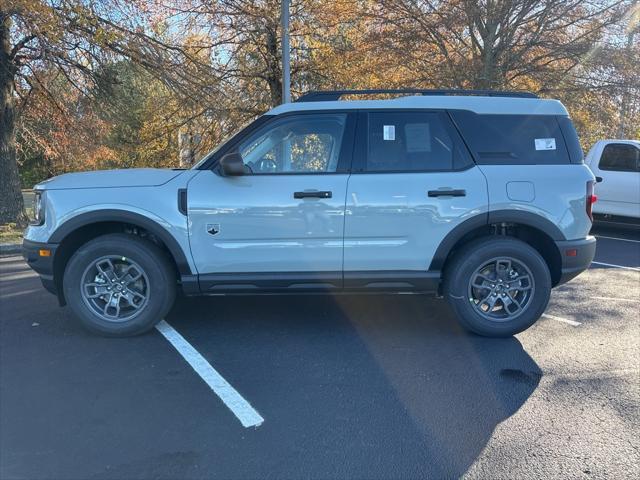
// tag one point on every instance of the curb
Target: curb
(10, 248)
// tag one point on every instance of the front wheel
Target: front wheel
(119, 285)
(497, 286)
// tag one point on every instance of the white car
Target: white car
(616, 165)
(481, 197)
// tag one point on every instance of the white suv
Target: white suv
(482, 197)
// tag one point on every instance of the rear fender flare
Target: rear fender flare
(488, 218)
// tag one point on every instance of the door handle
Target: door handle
(312, 194)
(447, 193)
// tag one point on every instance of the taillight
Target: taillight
(591, 199)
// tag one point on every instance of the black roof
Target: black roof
(329, 95)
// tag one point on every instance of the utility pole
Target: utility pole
(626, 97)
(286, 51)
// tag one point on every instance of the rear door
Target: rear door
(412, 183)
(619, 191)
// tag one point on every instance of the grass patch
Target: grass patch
(9, 233)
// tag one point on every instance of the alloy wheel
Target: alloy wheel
(115, 288)
(501, 289)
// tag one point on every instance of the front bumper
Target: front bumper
(43, 265)
(576, 257)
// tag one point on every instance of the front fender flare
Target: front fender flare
(115, 215)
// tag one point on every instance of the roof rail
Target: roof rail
(329, 95)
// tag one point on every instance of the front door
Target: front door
(281, 224)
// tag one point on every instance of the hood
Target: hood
(130, 177)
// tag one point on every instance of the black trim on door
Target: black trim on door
(261, 282)
(182, 201)
(300, 282)
(447, 193)
(401, 280)
(313, 194)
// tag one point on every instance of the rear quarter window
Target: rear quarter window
(515, 139)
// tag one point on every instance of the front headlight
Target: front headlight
(38, 208)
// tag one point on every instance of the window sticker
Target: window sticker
(418, 137)
(389, 132)
(545, 143)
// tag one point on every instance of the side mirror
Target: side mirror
(231, 165)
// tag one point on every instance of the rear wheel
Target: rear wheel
(497, 286)
(119, 285)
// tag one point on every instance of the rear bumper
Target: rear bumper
(576, 257)
(42, 265)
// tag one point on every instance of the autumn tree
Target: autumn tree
(60, 126)
(492, 44)
(115, 83)
(73, 38)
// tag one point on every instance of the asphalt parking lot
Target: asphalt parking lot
(346, 386)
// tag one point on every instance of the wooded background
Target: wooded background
(89, 84)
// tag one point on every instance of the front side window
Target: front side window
(620, 157)
(408, 141)
(307, 143)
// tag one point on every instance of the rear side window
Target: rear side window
(620, 157)
(513, 139)
(410, 141)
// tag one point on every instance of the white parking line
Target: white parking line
(616, 238)
(247, 415)
(634, 269)
(23, 292)
(573, 323)
(17, 275)
(617, 299)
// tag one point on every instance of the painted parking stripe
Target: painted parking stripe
(22, 292)
(634, 269)
(17, 275)
(616, 238)
(617, 299)
(573, 323)
(247, 415)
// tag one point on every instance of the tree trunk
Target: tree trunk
(626, 97)
(274, 62)
(11, 203)
(188, 143)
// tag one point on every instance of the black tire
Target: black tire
(474, 256)
(159, 284)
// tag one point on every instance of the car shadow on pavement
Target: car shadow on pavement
(457, 387)
(395, 370)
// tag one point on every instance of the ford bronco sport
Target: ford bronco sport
(481, 197)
